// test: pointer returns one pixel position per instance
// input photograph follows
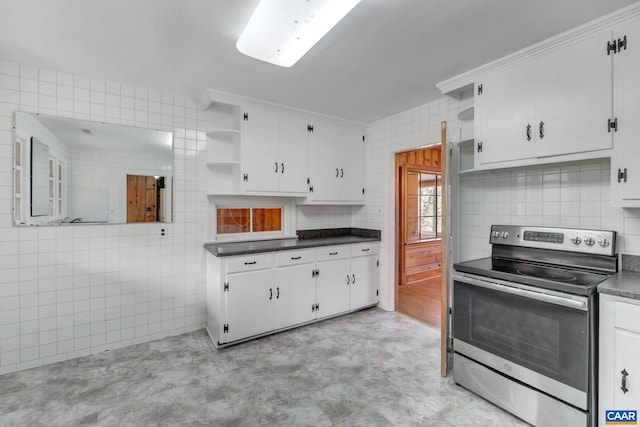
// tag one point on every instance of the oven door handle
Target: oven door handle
(538, 296)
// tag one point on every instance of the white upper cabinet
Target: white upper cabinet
(503, 108)
(275, 150)
(337, 163)
(625, 172)
(260, 149)
(557, 102)
(573, 95)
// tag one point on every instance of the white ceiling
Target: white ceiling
(383, 58)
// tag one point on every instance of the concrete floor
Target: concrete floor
(371, 368)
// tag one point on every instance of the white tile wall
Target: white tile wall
(572, 195)
(311, 217)
(76, 290)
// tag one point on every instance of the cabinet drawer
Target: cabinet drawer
(627, 316)
(295, 257)
(249, 263)
(364, 249)
(332, 252)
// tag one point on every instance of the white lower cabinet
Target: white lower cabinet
(295, 289)
(333, 291)
(252, 295)
(248, 305)
(619, 370)
(364, 271)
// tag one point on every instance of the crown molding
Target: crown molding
(453, 85)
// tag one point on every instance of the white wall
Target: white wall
(574, 195)
(69, 291)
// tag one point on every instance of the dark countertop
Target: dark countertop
(306, 239)
(623, 284)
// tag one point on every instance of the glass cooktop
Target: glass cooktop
(574, 281)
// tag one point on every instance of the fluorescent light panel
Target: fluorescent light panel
(283, 31)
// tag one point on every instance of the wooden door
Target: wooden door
(142, 198)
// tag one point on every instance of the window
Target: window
(241, 218)
(248, 220)
(424, 206)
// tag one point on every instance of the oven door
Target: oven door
(538, 337)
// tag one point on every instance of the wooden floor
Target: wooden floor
(421, 301)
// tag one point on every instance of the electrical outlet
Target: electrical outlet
(163, 233)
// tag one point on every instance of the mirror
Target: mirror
(84, 172)
(39, 178)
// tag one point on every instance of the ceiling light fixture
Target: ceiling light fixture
(282, 31)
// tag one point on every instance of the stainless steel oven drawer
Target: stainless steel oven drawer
(526, 403)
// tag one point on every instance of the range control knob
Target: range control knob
(496, 234)
(589, 241)
(576, 240)
(505, 234)
(603, 242)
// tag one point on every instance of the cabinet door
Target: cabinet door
(337, 162)
(351, 181)
(325, 161)
(333, 287)
(295, 295)
(364, 281)
(249, 304)
(626, 151)
(573, 96)
(627, 360)
(293, 152)
(259, 154)
(503, 111)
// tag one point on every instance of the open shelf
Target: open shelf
(466, 113)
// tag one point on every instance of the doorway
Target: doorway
(419, 208)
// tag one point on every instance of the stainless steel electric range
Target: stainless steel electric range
(525, 322)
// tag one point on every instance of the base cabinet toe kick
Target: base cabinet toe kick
(250, 296)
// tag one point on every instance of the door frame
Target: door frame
(388, 246)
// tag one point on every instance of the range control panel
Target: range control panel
(600, 242)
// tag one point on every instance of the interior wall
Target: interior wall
(69, 291)
(574, 195)
(404, 131)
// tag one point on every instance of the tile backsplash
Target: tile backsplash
(574, 195)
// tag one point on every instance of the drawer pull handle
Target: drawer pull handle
(296, 257)
(251, 263)
(365, 250)
(625, 374)
(333, 253)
